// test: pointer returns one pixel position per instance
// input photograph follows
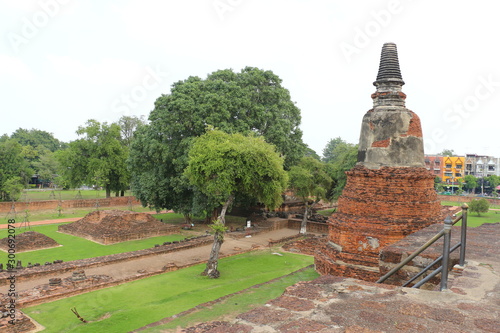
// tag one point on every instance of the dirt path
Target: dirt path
(190, 256)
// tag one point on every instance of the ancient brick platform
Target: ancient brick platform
(114, 226)
(64, 287)
(378, 207)
(21, 324)
(338, 304)
(29, 241)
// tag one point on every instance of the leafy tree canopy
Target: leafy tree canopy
(331, 152)
(99, 158)
(37, 139)
(310, 182)
(470, 182)
(223, 165)
(128, 125)
(251, 101)
(493, 181)
(447, 152)
(341, 158)
(311, 152)
(14, 170)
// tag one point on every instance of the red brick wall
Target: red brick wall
(377, 208)
(5, 207)
(317, 227)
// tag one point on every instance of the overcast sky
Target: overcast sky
(63, 62)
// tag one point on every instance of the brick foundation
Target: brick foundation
(378, 207)
(29, 241)
(113, 226)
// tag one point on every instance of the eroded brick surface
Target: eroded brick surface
(113, 226)
(293, 303)
(29, 241)
(378, 207)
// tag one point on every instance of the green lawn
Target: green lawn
(66, 213)
(239, 303)
(473, 220)
(327, 212)
(74, 248)
(138, 303)
(35, 195)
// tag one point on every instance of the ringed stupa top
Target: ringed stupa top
(391, 135)
(389, 65)
(389, 80)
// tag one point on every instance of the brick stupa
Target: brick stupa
(389, 193)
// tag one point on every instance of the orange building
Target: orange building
(453, 170)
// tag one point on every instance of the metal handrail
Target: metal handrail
(446, 251)
(419, 274)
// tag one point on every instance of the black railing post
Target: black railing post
(463, 235)
(446, 252)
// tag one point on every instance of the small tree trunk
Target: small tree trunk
(213, 261)
(303, 225)
(122, 193)
(117, 193)
(188, 218)
(108, 191)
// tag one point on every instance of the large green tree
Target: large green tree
(251, 101)
(128, 126)
(224, 166)
(14, 170)
(37, 138)
(38, 149)
(493, 182)
(309, 181)
(330, 152)
(98, 158)
(470, 182)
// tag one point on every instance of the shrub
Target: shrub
(479, 206)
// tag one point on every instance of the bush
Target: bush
(479, 206)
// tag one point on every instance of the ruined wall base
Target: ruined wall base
(378, 207)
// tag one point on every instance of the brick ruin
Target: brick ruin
(114, 226)
(389, 193)
(29, 241)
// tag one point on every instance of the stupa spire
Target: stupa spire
(389, 64)
(389, 80)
